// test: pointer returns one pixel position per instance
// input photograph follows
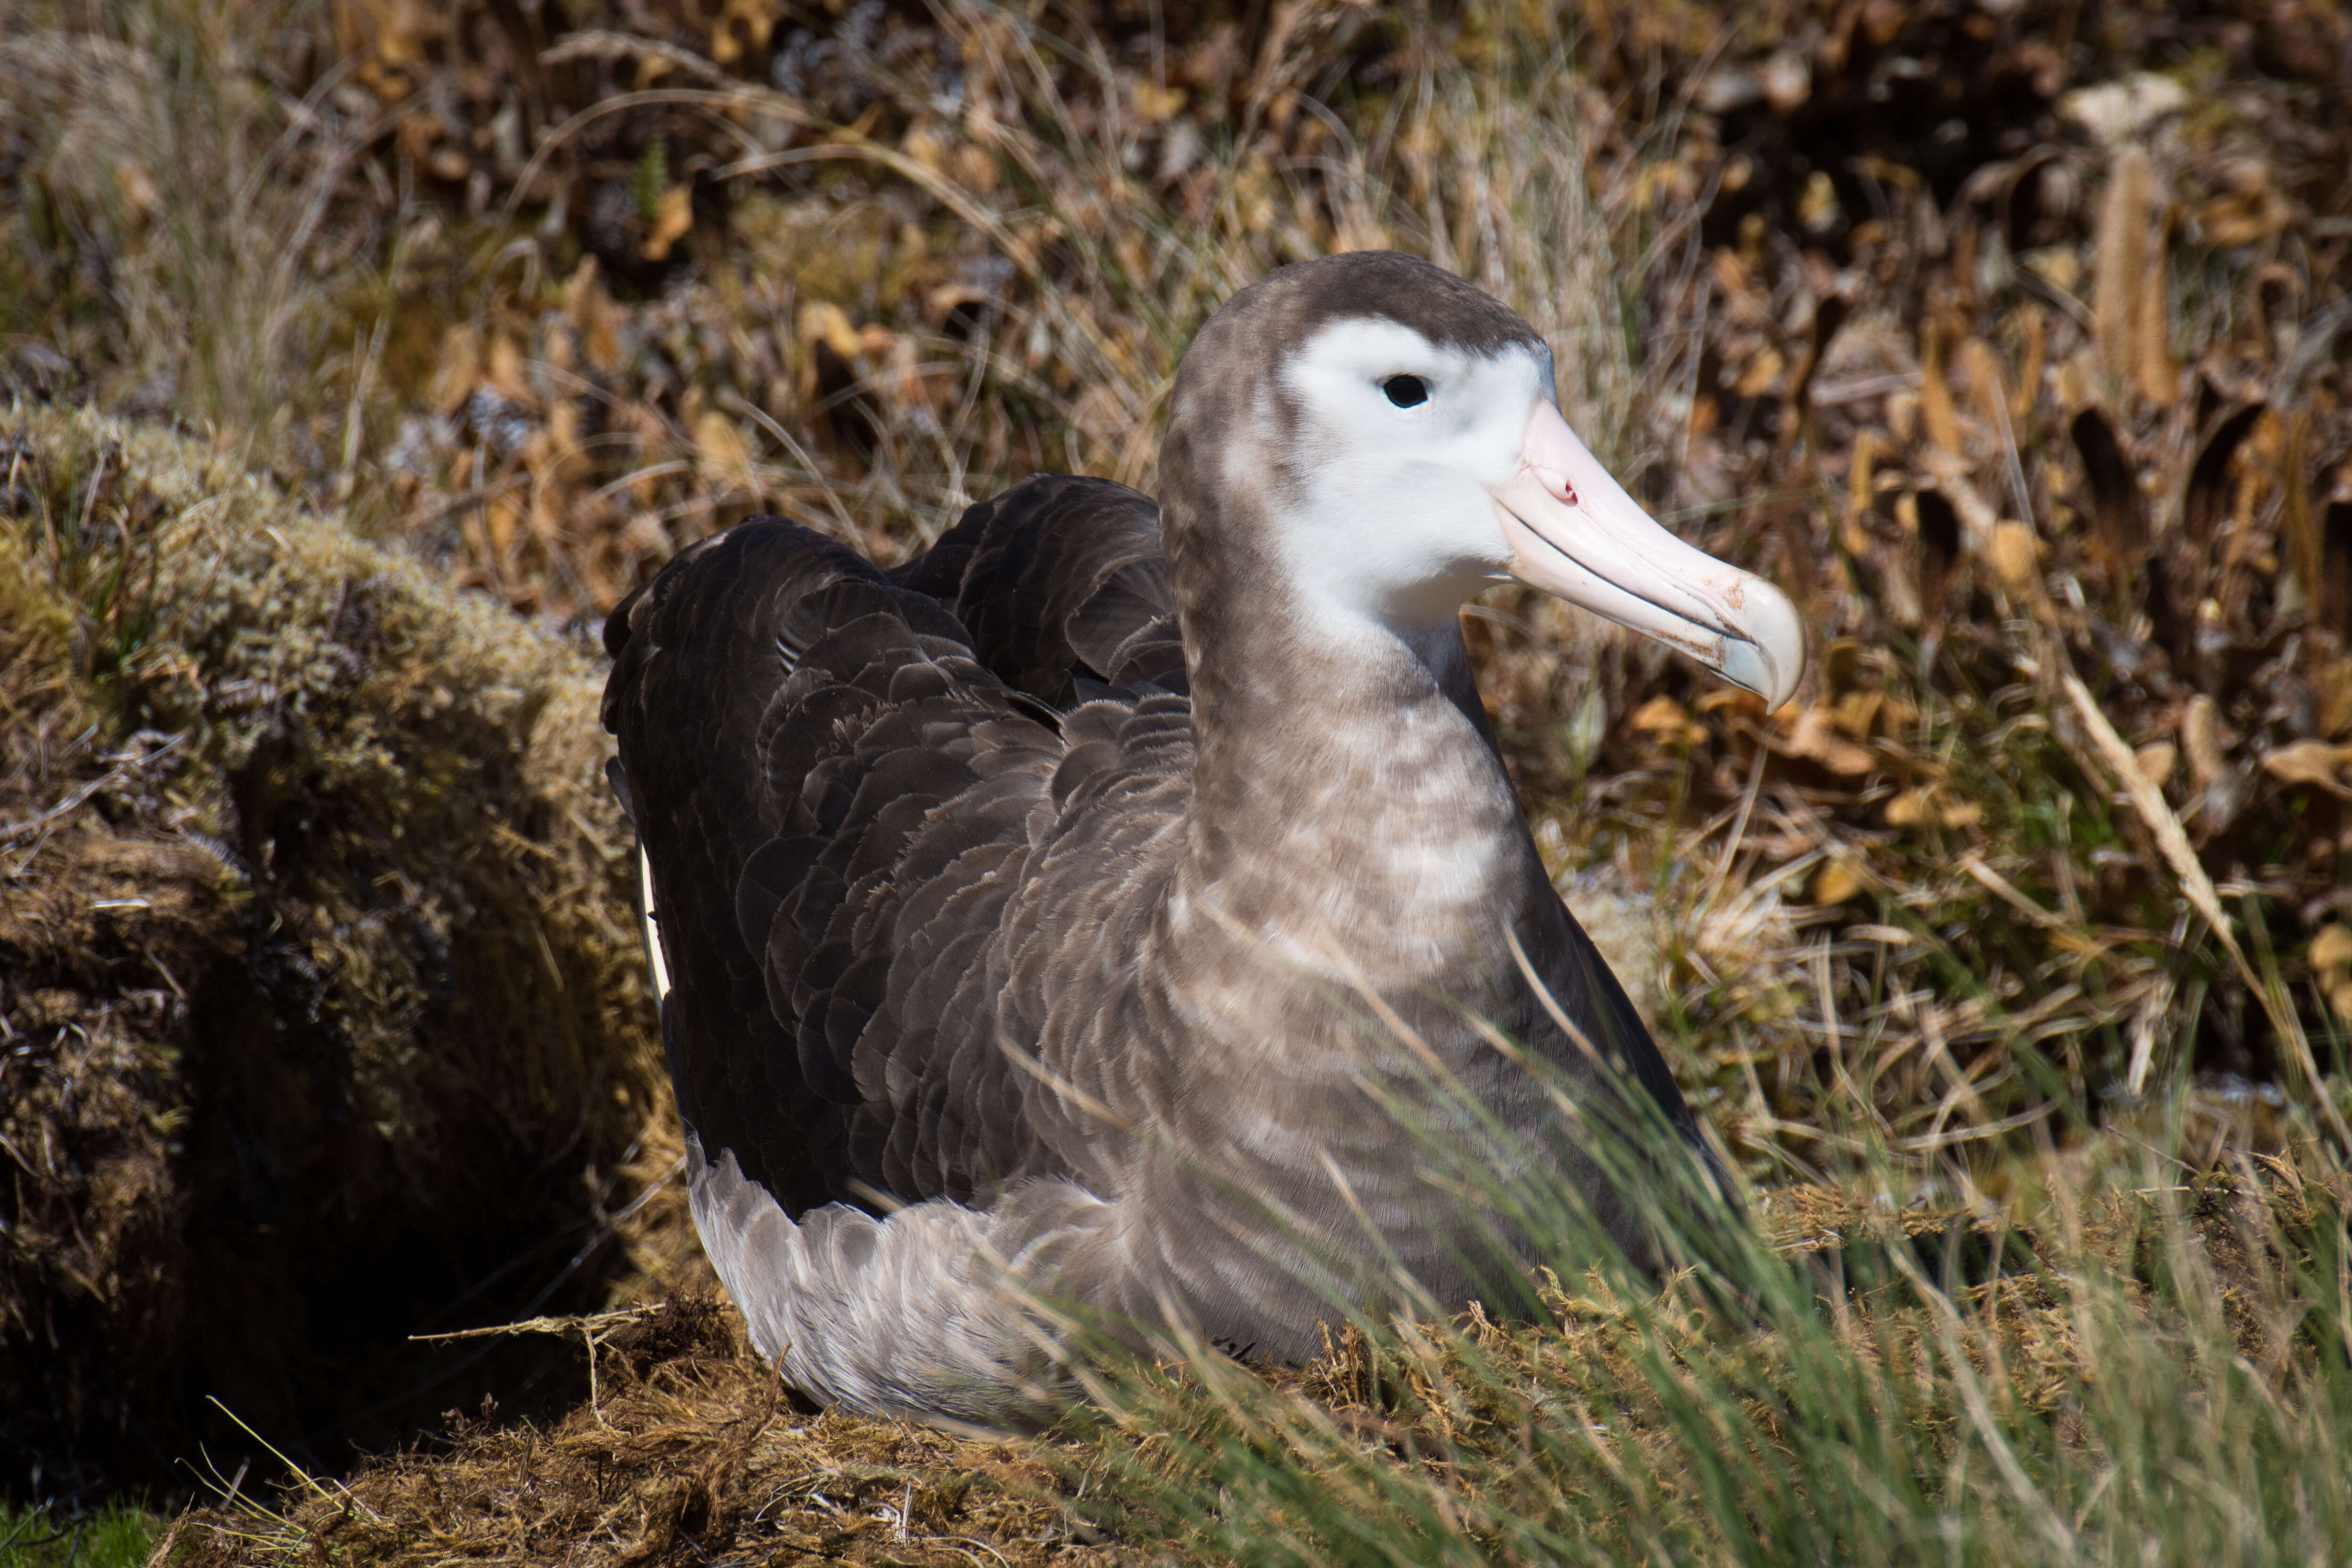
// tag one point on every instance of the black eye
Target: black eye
(1406, 392)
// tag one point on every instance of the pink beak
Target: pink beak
(1576, 534)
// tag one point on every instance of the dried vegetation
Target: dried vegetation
(2008, 337)
(314, 932)
(689, 1451)
(2034, 1393)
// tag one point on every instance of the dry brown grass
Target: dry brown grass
(690, 1451)
(1474, 1441)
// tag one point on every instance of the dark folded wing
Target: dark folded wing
(835, 798)
(1063, 585)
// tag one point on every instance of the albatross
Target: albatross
(1016, 914)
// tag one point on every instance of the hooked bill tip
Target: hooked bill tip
(1745, 666)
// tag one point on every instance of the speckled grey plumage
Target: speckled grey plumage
(1005, 918)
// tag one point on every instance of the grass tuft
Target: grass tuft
(119, 1535)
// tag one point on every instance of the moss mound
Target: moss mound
(313, 933)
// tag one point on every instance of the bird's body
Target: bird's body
(1024, 910)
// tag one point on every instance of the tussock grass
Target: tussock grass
(2128, 1367)
(177, 244)
(690, 1450)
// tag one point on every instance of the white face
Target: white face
(1399, 523)
(1431, 473)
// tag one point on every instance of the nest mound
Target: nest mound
(690, 1450)
(313, 932)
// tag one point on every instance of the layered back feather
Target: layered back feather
(843, 789)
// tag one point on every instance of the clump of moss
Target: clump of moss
(324, 1016)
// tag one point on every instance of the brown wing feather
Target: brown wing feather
(838, 802)
(1064, 587)
(788, 719)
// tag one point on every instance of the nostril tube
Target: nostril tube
(1556, 486)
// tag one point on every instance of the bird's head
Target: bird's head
(1401, 429)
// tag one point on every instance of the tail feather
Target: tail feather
(929, 1313)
